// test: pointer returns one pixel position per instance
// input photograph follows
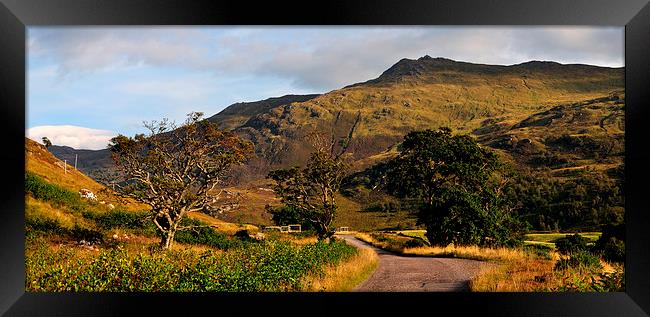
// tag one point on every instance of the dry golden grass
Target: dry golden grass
(222, 226)
(304, 240)
(345, 276)
(38, 209)
(469, 252)
(42, 163)
(524, 274)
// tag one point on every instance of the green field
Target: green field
(531, 238)
(547, 239)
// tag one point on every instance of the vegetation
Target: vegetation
(46, 142)
(311, 192)
(269, 266)
(562, 137)
(288, 215)
(176, 169)
(453, 176)
(581, 203)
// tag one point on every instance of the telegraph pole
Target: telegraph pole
(75, 161)
(65, 166)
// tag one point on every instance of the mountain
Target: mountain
(419, 94)
(237, 114)
(88, 161)
(563, 118)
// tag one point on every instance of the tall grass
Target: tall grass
(345, 276)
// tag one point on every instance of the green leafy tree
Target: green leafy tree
(458, 184)
(177, 170)
(288, 215)
(311, 191)
(47, 142)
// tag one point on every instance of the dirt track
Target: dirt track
(396, 273)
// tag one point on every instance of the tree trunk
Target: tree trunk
(168, 239)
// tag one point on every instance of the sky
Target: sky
(88, 84)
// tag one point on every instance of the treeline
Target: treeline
(581, 203)
(437, 166)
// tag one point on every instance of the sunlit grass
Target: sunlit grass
(345, 276)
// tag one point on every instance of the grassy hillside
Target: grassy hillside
(424, 93)
(559, 120)
(42, 164)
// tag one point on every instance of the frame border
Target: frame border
(17, 15)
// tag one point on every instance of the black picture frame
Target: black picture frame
(16, 15)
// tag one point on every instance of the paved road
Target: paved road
(396, 273)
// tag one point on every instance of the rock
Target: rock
(111, 206)
(86, 193)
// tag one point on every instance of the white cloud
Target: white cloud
(72, 136)
(105, 48)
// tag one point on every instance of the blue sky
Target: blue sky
(87, 84)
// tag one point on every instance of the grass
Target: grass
(451, 251)
(40, 162)
(547, 239)
(345, 276)
(550, 237)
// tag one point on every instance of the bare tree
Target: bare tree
(311, 191)
(176, 170)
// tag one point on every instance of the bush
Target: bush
(614, 250)
(579, 260)
(541, 251)
(415, 243)
(42, 190)
(602, 282)
(611, 243)
(571, 244)
(121, 219)
(268, 266)
(39, 226)
(287, 215)
(205, 236)
(44, 226)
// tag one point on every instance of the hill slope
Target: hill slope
(539, 115)
(424, 93)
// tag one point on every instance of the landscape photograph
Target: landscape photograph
(325, 159)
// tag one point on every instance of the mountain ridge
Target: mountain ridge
(412, 94)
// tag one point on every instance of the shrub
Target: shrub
(611, 243)
(539, 250)
(54, 194)
(120, 219)
(79, 233)
(571, 244)
(602, 282)
(288, 215)
(39, 226)
(579, 260)
(268, 266)
(614, 250)
(44, 226)
(415, 243)
(205, 236)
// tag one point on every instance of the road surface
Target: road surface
(398, 273)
